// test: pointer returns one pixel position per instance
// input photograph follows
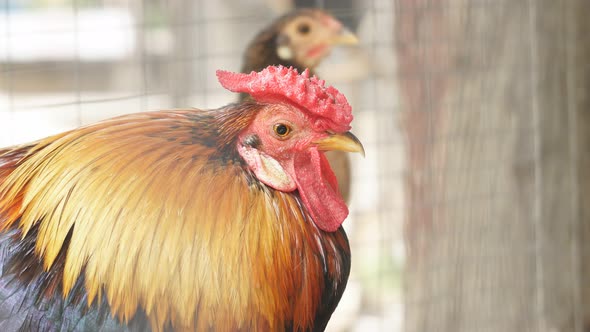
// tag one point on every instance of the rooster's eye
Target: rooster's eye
(282, 130)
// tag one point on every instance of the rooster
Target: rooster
(226, 219)
(302, 39)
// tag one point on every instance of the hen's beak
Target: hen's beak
(342, 142)
(344, 37)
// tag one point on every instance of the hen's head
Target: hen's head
(308, 37)
(301, 38)
(298, 119)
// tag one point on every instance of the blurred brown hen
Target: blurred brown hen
(224, 220)
(302, 39)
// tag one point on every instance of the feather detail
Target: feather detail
(155, 213)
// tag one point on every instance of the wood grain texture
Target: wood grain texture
(492, 221)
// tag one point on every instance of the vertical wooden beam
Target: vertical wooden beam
(491, 227)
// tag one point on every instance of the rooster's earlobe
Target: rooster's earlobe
(267, 169)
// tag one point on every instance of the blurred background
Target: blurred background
(470, 211)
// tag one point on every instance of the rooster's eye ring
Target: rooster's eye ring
(282, 130)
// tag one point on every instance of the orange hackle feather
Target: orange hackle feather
(152, 218)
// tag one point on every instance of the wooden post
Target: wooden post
(493, 229)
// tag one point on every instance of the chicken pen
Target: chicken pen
(467, 213)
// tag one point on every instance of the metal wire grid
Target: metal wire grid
(42, 97)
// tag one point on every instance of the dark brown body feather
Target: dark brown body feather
(154, 217)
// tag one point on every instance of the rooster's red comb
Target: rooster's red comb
(327, 106)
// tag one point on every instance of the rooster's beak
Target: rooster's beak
(342, 142)
(344, 37)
